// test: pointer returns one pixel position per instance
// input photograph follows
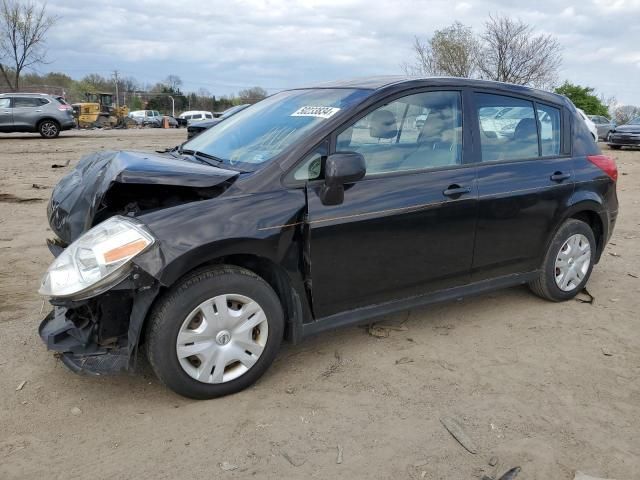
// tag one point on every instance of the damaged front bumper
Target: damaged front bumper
(100, 335)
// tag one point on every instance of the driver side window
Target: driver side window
(416, 132)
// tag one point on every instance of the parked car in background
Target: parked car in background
(194, 116)
(199, 127)
(627, 135)
(590, 125)
(45, 114)
(604, 126)
(151, 118)
(314, 209)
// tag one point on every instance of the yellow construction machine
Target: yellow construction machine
(100, 111)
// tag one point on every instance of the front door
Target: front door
(407, 228)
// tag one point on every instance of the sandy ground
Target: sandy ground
(548, 387)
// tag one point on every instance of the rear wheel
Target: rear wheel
(568, 262)
(215, 333)
(49, 129)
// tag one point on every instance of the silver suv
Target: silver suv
(35, 112)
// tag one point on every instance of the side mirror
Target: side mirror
(341, 168)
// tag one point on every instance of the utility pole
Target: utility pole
(115, 75)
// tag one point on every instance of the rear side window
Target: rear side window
(61, 101)
(19, 102)
(508, 128)
(549, 121)
(208, 115)
(5, 102)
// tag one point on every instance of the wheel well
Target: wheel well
(592, 219)
(270, 272)
(48, 118)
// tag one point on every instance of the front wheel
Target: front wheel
(568, 262)
(49, 129)
(215, 333)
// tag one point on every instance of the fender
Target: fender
(582, 201)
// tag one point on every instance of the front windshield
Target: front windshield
(260, 132)
(635, 121)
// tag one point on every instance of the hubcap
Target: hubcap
(572, 262)
(222, 338)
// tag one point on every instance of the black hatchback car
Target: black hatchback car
(319, 208)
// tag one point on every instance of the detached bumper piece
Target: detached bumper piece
(76, 336)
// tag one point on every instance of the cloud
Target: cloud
(228, 45)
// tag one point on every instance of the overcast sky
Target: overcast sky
(226, 45)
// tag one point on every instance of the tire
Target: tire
(49, 128)
(615, 147)
(550, 284)
(205, 365)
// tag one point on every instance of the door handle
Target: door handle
(38, 110)
(456, 190)
(559, 176)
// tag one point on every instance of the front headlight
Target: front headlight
(97, 260)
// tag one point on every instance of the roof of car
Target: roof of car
(27, 94)
(384, 81)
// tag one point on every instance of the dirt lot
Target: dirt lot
(548, 387)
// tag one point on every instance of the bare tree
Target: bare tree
(626, 113)
(173, 83)
(23, 27)
(451, 51)
(512, 52)
(252, 95)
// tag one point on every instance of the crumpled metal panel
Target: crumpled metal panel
(79, 195)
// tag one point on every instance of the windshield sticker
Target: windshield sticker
(320, 112)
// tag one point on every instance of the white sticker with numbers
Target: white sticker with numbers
(320, 112)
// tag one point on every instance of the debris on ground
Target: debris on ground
(632, 275)
(227, 467)
(583, 476)
(459, 434)
(290, 390)
(493, 461)
(21, 385)
(606, 352)
(61, 165)
(614, 254)
(76, 411)
(383, 331)
(37, 186)
(334, 367)
(339, 458)
(585, 297)
(511, 474)
(404, 360)
(294, 462)
(10, 198)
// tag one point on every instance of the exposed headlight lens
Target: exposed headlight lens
(97, 260)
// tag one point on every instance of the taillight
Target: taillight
(606, 164)
(62, 108)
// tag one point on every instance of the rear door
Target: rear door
(407, 228)
(6, 114)
(27, 112)
(525, 177)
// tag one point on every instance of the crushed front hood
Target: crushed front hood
(80, 194)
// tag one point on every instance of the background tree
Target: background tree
(451, 51)
(626, 113)
(23, 27)
(252, 95)
(512, 52)
(584, 98)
